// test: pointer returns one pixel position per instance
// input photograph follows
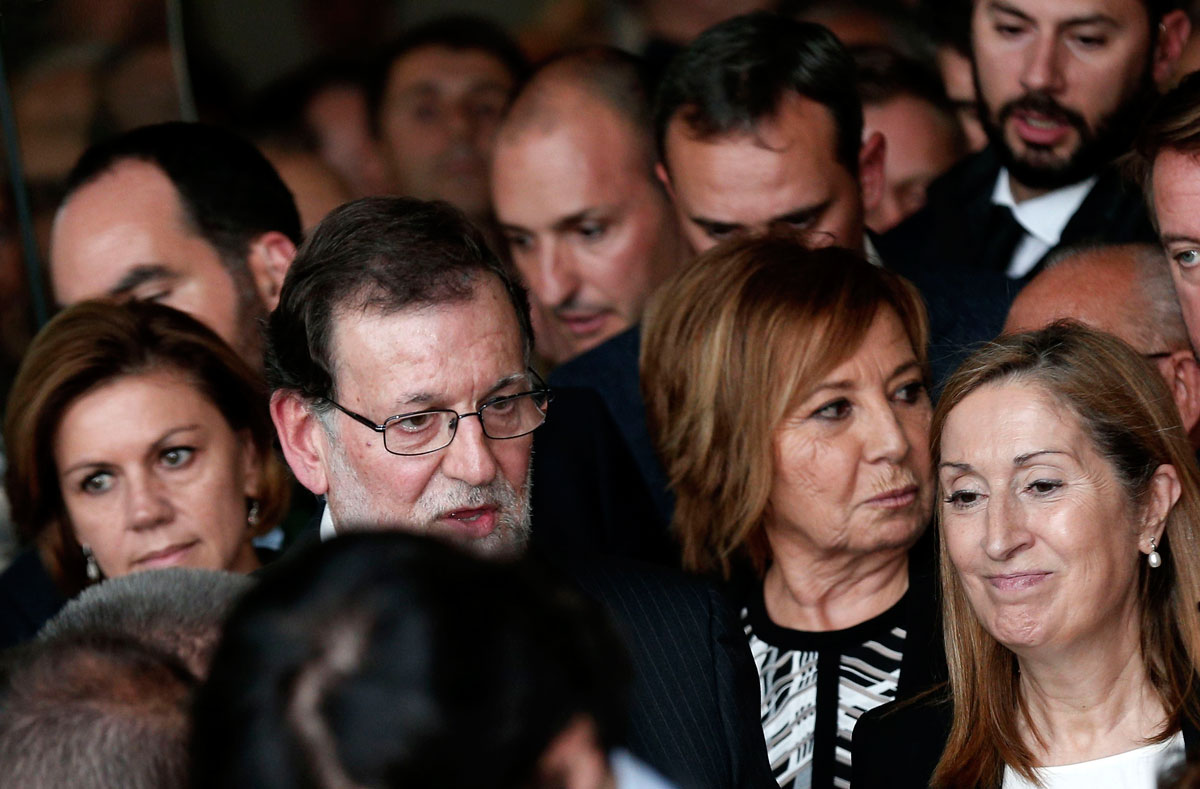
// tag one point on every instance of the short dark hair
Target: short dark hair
(92, 713)
(1172, 125)
(884, 74)
(392, 660)
(379, 253)
(230, 194)
(457, 32)
(736, 74)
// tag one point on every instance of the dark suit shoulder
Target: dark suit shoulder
(694, 713)
(899, 744)
(594, 368)
(28, 599)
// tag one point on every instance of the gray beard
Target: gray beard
(352, 509)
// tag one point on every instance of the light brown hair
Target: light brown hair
(93, 343)
(730, 346)
(1125, 410)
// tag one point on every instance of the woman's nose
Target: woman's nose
(1006, 534)
(149, 505)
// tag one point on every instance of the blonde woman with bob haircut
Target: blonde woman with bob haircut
(136, 439)
(1069, 518)
(786, 393)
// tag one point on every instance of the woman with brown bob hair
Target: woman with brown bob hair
(136, 438)
(1070, 561)
(786, 394)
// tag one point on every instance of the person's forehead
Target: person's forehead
(542, 175)
(474, 338)
(1052, 12)
(129, 217)
(801, 133)
(1176, 190)
(439, 68)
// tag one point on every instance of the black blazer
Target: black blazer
(695, 710)
(28, 599)
(898, 745)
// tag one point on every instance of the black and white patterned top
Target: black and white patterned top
(814, 686)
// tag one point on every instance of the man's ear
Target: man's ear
(1184, 382)
(1173, 31)
(269, 257)
(660, 170)
(302, 438)
(871, 158)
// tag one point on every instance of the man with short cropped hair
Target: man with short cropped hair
(181, 213)
(758, 125)
(905, 102)
(586, 221)
(1062, 88)
(435, 100)
(398, 358)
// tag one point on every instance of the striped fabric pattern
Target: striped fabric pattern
(868, 673)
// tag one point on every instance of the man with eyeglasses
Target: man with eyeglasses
(411, 405)
(398, 358)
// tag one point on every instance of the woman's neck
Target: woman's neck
(1093, 701)
(804, 590)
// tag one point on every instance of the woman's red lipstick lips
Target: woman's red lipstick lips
(1016, 581)
(896, 498)
(165, 555)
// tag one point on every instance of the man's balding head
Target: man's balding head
(574, 190)
(1125, 290)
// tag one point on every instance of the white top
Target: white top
(1136, 769)
(328, 532)
(1043, 219)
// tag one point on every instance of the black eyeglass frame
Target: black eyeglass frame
(541, 389)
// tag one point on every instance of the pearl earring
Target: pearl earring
(92, 568)
(1154, 560)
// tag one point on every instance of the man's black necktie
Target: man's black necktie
(1000, 239)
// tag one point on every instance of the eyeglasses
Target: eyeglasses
(422, 432)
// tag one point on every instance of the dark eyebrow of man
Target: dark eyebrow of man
(577, 218)
(801, 215)
(1175, 238)
(1091, 19)
(713, 227)
(424, 398)
(138, 276)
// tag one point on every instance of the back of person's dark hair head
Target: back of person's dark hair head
(390, 660)
(884, 74)
(229, 193)
(93, 713)
(948, 23)
(458, 32)
(275, 114)
(178, 611)
(382, 254)
(618, 79)
(738, 73)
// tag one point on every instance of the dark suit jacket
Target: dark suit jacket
(588, 496)
(695, 704)
(611, 370)
(949, 230)
(28, 599)
(898, 745)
